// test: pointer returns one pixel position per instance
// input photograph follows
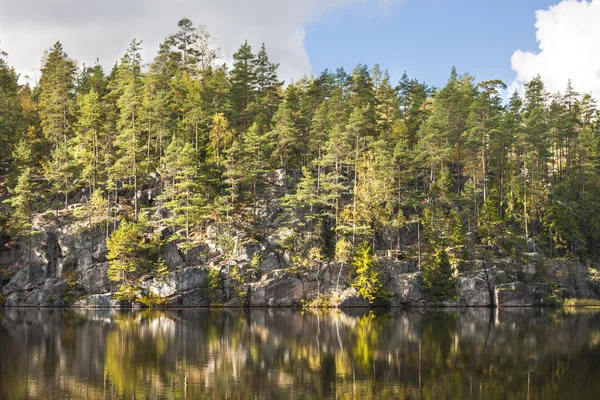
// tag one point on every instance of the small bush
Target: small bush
(367, 283)
(73, 291)
(237, 284)
(154, 301)
(213, 284)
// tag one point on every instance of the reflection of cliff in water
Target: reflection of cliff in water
(456, 353)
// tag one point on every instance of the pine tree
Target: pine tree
(268, 88)
(57, 97)
(254, 153)
(88, 139)
(184, 41)
(11, 113)
(243, 82)
(129, 104)
(534, 152)
(284, 135)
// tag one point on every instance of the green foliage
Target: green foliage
(11, 110)
(73, 291)
(555, 294)
(21, 201)
(366, 281)
(343, 250)
(256, 259)
(128, 259)
(439, 281)
(201, 142)
(153, 300)
(214, 284)
(96, 210)
(237, 284)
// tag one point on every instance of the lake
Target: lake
(532, 353)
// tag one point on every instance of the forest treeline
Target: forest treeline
(399, 165)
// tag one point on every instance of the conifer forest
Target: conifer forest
(363, 165)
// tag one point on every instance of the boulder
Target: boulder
(192, 298)
(574, 279)
(350, 298)
(161, 287)
(285, 302)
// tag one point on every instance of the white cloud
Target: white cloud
(569, 48)
(90, 29)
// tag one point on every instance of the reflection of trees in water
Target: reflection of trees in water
(428, 354)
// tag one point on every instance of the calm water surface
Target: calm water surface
(285, 354)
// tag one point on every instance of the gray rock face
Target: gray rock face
(98, 301)
(50, 294)
(473, 291)
(280, 286)
(185, 288)
(574, 279)
(245, 251)
(95, 280)
(233, 303)
(406, 289)
(171, 255)
(36, 273)
(190, 278)
(515, 294)
(162, 287)
(270, 262)
(193, 298)
(26, 279)
(277, 177)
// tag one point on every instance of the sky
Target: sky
(512, 40)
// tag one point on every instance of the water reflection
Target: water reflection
(192, 354)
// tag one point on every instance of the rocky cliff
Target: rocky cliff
(65, 264)
(69, 267)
